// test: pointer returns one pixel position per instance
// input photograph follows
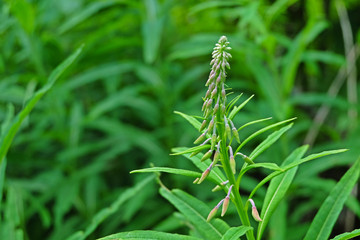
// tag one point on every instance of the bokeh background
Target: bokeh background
(113, 110)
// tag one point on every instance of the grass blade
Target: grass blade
(238, 108)
(277, 189)
(10, 132)
(235, 232)
(329, 211)
(146, 235)
(261, 131)
(272, 138)
(193, 121)
(348, 235)
(196, 212)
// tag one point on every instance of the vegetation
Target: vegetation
(88, 94)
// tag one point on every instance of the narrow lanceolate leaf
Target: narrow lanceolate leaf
(9, 133)
(193, 121)
(261, 131)
(271, 166)
(238, 108)
(168, 170)
(277, 189)
(146, 235)
(314, 156)
(294, 164)
(193, 149)
(196, 212)
(329, 211)
(235, 232)
(271, 139)
(348, 235)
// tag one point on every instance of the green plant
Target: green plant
(220, 165)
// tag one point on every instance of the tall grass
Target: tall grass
(67, 168)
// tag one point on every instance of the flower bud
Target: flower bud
(213, 93)
(211, 124)
(223, 92)
(234, 131)
(213, 139)
(227, 128)
(207, 95)
(232, 161)
(209, 103)
(214, 211)
(246, 158)
(204, 105)
(217, 153)
(200, 138)
(203, 125)
(216, 108)
(207, 155)
(218, 79)
(205, 174)
(254, 211)
(196, 180)
(226, 202)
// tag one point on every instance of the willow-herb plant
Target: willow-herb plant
(219, 155)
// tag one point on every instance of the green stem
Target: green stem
(230, 176)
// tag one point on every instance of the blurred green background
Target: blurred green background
(112, 111)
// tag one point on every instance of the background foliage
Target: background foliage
(67, 172)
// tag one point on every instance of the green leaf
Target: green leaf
(193, 149)
(238, 108)
(329, 211)
(277, 189)
(193, 121)
(10, 132)
(168, 170)
(196, 212)
(294, 164)
(253, 122)
(313, 156)
(348, 235)
(86, 13)
(235, 232)
(271, 166)
(148, 235)
(261, 131)
(272, 138)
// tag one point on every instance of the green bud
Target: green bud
(211, 124)
(203, 125)
(227, 128)
(207, 155)
(232, 161)
(200, 138)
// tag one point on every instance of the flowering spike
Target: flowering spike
(254, 211)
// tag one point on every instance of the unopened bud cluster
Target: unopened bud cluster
(218, 130)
